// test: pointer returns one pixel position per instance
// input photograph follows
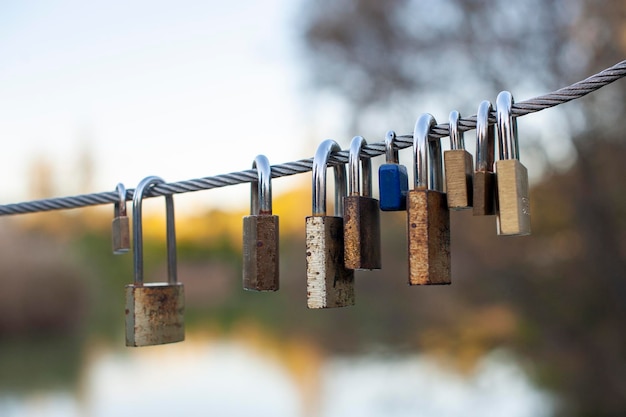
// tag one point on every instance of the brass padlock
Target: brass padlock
(329, 282)
(484, 177)
(120, 228)
(513, 216)
(260, 233)
(427, 211)
(361, 217)
(459, 168)
(154, 311)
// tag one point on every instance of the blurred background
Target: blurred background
(97, 93)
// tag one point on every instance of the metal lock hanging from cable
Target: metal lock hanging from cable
(329, 282)
(120, 227)
(154, 311)
(484, 177)
(393, 180)
(361, 216)
(260, 233)
(513, 217)
(427, 211)
(459, 168)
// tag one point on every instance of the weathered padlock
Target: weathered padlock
(120, 228)
(361, 217)
(484, 177)
(329, 282)
(154, 311)
(459, 168)
(260, 233)
(393, 180)
(427, 211)
(513, 216)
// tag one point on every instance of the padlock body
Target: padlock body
(484, 198)
(120, 231)
(459, 168)
(154, 314)
(513, 216)
(429, 237)
(393, 183)
(260, 253)
(329, 282)
(361, 233)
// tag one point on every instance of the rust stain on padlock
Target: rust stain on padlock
(260, 253)
(362, 233)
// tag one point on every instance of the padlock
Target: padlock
(484, 177)
(120, 228)
(393, 180)
(260, 233)
(361, 217)
(329, 282)
(513, 217)
(427, 211)
(154, 311)
(459, 168)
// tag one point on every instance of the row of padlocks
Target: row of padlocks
(350, 240)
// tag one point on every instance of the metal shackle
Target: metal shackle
(356, 146)
(119, 209)
(261, 189)
(485, 138)
(320, 162)
(507, 126)
(457, 137)
(140, 191)
(391, 153)
(427, 165)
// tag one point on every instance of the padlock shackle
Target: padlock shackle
(119, 208)
(485, 138)
(261, 189)
(391, 153)
(457, 137)
(140, 191)
(507, 126)
(320, 164)
(356, 146)
(427, 165)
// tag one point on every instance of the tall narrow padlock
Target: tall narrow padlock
(361, 217)
(393, 180)
(459, 168)
(427, 211)
(513, 216)
(260, 233)
(484, 177)
(154, 311)
(329, 282)
(120, 228)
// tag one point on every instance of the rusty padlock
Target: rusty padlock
(154, 311)
(427, 211)
(513, 216)
(459, 168)
(329, 282)
(484, 177)
(361, 217)
(393, 180)
(260, 233)
(120, 227)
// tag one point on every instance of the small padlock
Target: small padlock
(513, 216)
(154, 311)
(427, 211)
(329, 282)
(459, 168)
(260, 233)
(393, 180)
(120, 228)
(484, 177)
(361, 217)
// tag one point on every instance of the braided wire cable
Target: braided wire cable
(555, 98)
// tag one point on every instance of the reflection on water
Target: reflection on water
(234, 378)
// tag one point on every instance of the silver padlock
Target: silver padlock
(329, 282)
(154, 311)
(120, 227)
(260, 233)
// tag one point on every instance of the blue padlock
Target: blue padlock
(393, 180)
